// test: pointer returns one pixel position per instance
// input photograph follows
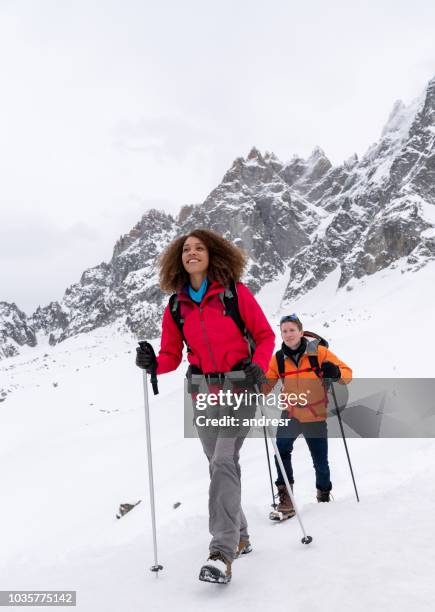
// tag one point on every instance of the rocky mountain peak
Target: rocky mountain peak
(430, 91)
(428, 108)
(304, 218)
(399, 120)
(255, 155)
(153, 220)
(351, 161)
(235, 171)
(316, 154)
(15, 330)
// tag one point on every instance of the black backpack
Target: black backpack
(230, 303)
(311, 351)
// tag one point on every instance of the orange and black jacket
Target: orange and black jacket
(307, 397)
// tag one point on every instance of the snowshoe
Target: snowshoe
(279, 517)
(217, 569)
(285, 509)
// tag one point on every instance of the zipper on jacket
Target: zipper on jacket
(206, 338)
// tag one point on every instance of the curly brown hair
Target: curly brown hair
(226, 261)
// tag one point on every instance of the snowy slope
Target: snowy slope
(72, 448)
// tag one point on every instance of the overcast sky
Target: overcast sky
(113, 107)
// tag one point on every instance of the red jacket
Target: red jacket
(214, 339)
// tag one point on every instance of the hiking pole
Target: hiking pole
(331, 386)
(145, 345)
(306, 538)
(270, 471)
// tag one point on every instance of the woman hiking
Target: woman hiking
(200, 268)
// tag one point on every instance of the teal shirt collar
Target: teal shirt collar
(198, 295)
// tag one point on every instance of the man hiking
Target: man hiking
(302, 364)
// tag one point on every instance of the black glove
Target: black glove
(254, 375)
(330, 370)
(145, 356)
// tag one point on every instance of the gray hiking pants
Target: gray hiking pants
(227, 521)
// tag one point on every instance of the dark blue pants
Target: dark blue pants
(316, 436)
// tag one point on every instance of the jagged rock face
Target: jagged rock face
(304, 215)
(126, 289)
(302, 175)
(414, 168)
(136, 298)
(15, 330)
(141, 245)
(253, 207)
(382, 207)
(52, 320)
(388, 238)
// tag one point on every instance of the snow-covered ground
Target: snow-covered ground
(72, 448)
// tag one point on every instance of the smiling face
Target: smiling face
(195, 256)
(291, 334)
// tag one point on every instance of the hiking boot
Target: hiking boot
(243, 548)
(285, 503)
(323, 496)
(217, 569)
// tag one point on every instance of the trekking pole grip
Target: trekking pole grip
(153, 371)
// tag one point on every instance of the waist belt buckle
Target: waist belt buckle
(215, 377)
